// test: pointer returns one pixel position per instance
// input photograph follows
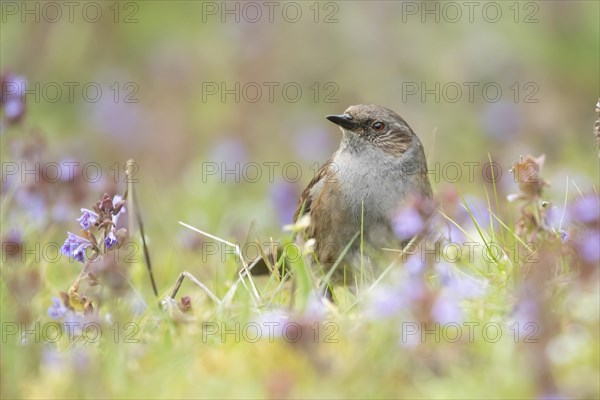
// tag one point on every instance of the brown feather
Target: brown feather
(305, 202)
(394, 144)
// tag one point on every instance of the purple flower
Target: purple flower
(525, 314)
(57, 310)
(446, 310)
(272, 323)
(407, 223)
(315, 309)
(479, 212)
(460, 285)
(587, 209)
(415, 266)
(444, 272)
(12, 92)
(589, 247)
(556, 218)
(284, 196)
(116, 199)
(74, 322)
(385, 302)
(564, 236)
(455, 234)
(88, 218)
(17, 85)
(75, 247)
(33, 204)
(110, 240)
(14, 109)
(389, 300)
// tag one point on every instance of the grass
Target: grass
(140, 346)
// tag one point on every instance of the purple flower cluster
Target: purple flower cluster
(410, 296)
(411, 219)
(586, 212)
(73, 320)
(389, 300)
(57, 310)
(88, 218)
(407, 223)
(587, 209)
(579, 225)
(12, 89)
(104, 218)
(456, 286)
(111, 240)
(284, 196)
(75, 247)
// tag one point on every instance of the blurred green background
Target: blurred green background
(162, 67)
(542, 55)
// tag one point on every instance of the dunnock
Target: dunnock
(379, 164)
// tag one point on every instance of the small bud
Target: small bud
(88, 307)
(185, 304)
(527, 174)
(301, 224)
(107, 204)
(309, 246)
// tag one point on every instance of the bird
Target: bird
(378, 166)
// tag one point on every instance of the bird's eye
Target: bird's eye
(378, 126)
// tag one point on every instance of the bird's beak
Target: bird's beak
(343, 120)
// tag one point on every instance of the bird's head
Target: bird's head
(377, 125)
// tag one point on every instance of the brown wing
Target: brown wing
(305, 201)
